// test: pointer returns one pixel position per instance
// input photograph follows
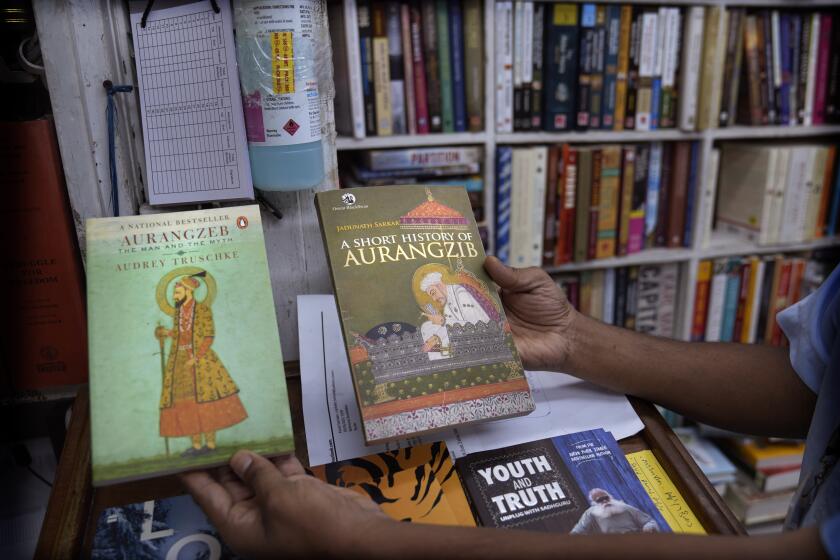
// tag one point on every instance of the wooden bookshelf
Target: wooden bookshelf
(705, 244)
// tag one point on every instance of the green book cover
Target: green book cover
(185, 360)
(427, 339)
(445, 65)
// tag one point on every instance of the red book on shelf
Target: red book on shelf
(742, 301)
(595, 203)
(43, 334)
(678, 193)
(419, 71)
(701, 301)
(823, 56)
(566, 195)
(779, 302)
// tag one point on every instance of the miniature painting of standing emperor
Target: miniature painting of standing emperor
(199, 396)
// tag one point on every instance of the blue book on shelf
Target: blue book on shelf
(653, 180)
(613, 26)
(655, 100)
(730, 302)
(691, 194)
(786, 63)
(831, 226)
(456, 49)
(504, 186)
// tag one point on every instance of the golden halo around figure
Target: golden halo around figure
(421, 297)
(163, 287)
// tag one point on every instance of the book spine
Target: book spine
(717, 74)
(504, 66)
(395, 68)
(691, 194)
(608, 307)
(669, 274)
(608, 202)
(647, 66)
(588, 18)
(537, 58)
(420, 158)
(756, 286)
(691, 62)
(561, 65)
(550, 209)
(811, 83)
(504, 188)
(382, 72)
(671, 69)
(583, 201)
(354, 67)
(620, 307)
(766, 59)
(599, 47)
(717, 296)
(539, 185)
(456, 44)
(366, 60)
(622, 66)
(660, 51)
(741, 306)
(751, 52)
(701, 301)
(832, 108)
(595, 204)
(612, 42)
(768, 288)
(678, 194)
(784, 68)
(663, 206)
(730, 304)
(803, 58)
(421, 111)
(519, 40)
(632, 298)
(705, 113)
(734, 34)
(638, 198)
(831, 227)
(633, 72)
(432, 61)
(566, 234)
(647, 299)
(408, 69)
(653, 186)
(627, 186)
(822, 213)
(445, 62)
(474, 64)
(527, 64)
(795, 45)
(780, 302)
(823, 54)
(776, 46)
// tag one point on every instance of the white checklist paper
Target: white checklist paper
(333, 425)
(190, 103)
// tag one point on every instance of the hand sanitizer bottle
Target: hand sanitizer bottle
(276, 54)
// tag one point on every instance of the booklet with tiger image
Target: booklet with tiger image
(417, 484)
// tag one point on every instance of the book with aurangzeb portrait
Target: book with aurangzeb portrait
(426, 335)
(185, 361)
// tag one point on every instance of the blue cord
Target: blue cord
(110, 112)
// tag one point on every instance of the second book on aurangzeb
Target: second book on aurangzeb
(427, 339)
(185, 361)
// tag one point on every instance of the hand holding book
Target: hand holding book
(539, 314)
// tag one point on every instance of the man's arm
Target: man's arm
(745, 388)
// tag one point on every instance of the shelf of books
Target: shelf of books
(595, 137)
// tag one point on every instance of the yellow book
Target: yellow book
(623, 68)
(608, 202)
(664, 494)
(751, 303)
(705, 118)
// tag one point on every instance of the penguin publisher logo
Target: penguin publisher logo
(348, 198)
(241, 222)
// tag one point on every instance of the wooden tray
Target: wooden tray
(74, 506)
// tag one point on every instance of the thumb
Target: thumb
(512, 279)
(258, 473)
